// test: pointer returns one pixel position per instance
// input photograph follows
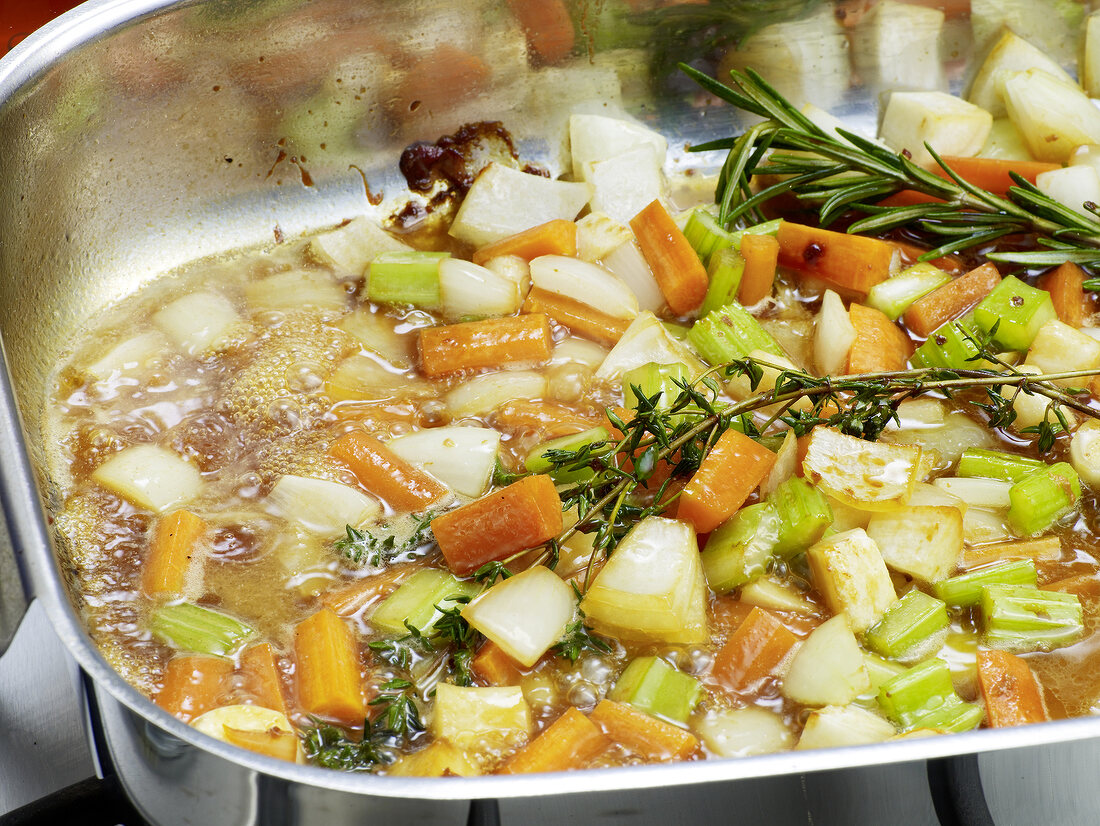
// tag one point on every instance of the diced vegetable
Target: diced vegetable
(897, 45)
(321, 506)
(463, 458)
(467, 290)
(439, 759)
(537, 461)
(651, 685)
(523, 515)
(828, 668)
(1011, 53)
(908, 623)
(328, 670)
(732, 470)
(1084, 451)
(923, 697)
(579, 317)
(879, 346)
(932, 311)
(558, 237)
(481, 719)
(595, 138)
(1059, 348)
(743, 732)
(996, 464)
(852, 263)
(679, 273)
(849, 571)
(835, 726)
(478, 344)
(705, 234)
(652, 588)
(260, 670)
(193, 684)
(570, 742)
(870, 475)
(761, 254)
(646, 340)
(1048, 548)
(191, 627)
(492, 665)
(1072, 186)
(730, 333)
(353, 246)
(725, 270)
(419, 601)
(150, 477)
(643, 734)
(738, 551)
(364, 378)
(385, 474)
(295, 289)
(586, 283)
(753, 652)
(172, 554)
(624, 184)
(833, 335)
(950, 346)
(1053, 116)
(950, 125)
(629, 264)
(777, 595)
(1040, 499)
(129, 355)
(375, 332)
(894, 295)
(966, 589)
(803, 513)
(197, 321)
(1033, 408)
(262, 730)
(924, 542)
(484, 394)
(1011, 692)
(1025, 618)
(524, 614)
(977, 492)
(598, 236)
(406, 278)
(1066, 287)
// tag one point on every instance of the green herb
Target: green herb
(388, 541)
(841, 173)
(502, 477)
(461, 639)
(578, 636)
(399, 715)
(328, 746)
(402, 651)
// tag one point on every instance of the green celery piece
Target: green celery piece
(966, 589)
(766, 228)
(651, 685)
(730, 333)
(416, 598)
(705, 234)
(653, 378)
(995, 464)
(907, 623)
(924, 697)
(947, 347)
(738, 550)
(894, 295)
(1018, 311)
(406, 278)
(193, 628)
(677, 331)
(724, 272)
(804, 515)
(1024, 618)
(1040, 499)
(536, 460)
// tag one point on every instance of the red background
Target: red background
(18, 18)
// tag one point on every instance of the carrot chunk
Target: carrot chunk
(193, 685)
(570, 742)
(1066, 289)
(752, 652)
(761, 254)
(880, 344)
(492, 666)
(644, 735)
(472, 345)
(679, 272)
(363, 592)
(385, 474)
(729, 473)
(169, 558)
(261, 672)
(329, 682)
(547, 27)
(549, 418)
(557, 237)
(523, 515)
(932, 311)
(581, 319)
(1011, 692)
(851, 262)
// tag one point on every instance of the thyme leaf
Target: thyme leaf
(386, 542)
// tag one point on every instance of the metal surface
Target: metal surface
(139, 134)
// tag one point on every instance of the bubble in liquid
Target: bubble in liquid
(285, 414)
(595, 670)
(583, 695)
(304, 377)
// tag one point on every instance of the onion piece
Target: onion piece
(197, 321)
(150, 477)
(627, 262)
(587, 283)
(462, 458)
(485, 393)
(321, 506)
(828, 669)
(467, 289)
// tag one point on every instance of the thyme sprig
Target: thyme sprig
(842, 172)
(387, 542)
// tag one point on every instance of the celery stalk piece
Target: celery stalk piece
(995, 464)
(705, 234)
(539, 459)
(730, 333)
(910, 621)
(194, 628)
(738, 551)
(724, 271)
(417, 598)
(1018, 311)
(947, 347)
(1043, 497)
(894, 295)
(804, 514)
(406, 278)
(766, 228)
(924, 697)
(966, 589)
(651, 379)
(655, 687)
(1024, 618)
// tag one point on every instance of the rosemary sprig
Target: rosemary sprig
(843, 173)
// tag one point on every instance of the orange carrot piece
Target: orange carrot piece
(752, 652)
(358, 595)
(1011, 692)
(653, 739)
(1085, 586)
(851, 262)
(547, 27)
(931, 311)
(523, 515)
(385, 474)
(492, 666)
(327, 658)
(169, 558)
(549, 418)
(761, 254)
(570, 742)
(679, 272)
(880, 344)
(1066, 289)
(557, 237)
(581, 319)
(472, 345)
(193, 685)
(262, 681)
(729, 473)
(273, 742)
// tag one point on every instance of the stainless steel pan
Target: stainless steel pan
(138, 134)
